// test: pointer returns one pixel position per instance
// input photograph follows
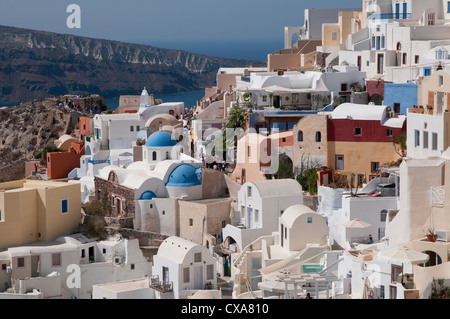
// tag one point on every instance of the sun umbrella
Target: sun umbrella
(356, 223)
(404, 255)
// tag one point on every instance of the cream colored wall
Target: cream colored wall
(19, 218)
(196, 212)
(431, 84)
(213, 212)
(33, 211)
(327, 35)
(303, 233)
(359, 155)
(56, 223)
(22, 272)
(423, 275)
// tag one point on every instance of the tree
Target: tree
(49, 149)
(237, 117)
(399, 144)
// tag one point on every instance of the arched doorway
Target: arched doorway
(434, 260)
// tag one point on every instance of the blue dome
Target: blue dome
(147, 195)
(160, 139)
(184, 176)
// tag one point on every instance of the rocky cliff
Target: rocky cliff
(27, 128)
(38, 64)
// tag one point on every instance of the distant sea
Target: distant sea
(256, 50)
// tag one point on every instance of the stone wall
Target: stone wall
(107, 190)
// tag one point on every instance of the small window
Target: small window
(300, 136)
(104, 250)
(264, 98)
(318, 137)
(154, 156)
(132, 266)
(83, 253)
(191, 222)
(425, 139)
(224, 223)
(283, 140)
(64, 206)
(374, 166)
(20, 262)
(416, 138)
(405, 60)
(334, 36)
(256, 216)
(388, 132)
(209, 272)
(186, 275)
(435, 141)
(151, 205)
(197, 257)
(441, 80)
(138, 128)
(131, 128)
(167, 155)
(249, 191)
(383, 215)
(357, 131)
(344, 87)
(339, 162)
(56, 260)
(309, 220)
(3, 266)
(416, 59)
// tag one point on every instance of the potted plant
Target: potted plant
(431, 235)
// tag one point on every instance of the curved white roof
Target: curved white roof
(359, 112)
(278, 187)
(176, 249)
(291, 214)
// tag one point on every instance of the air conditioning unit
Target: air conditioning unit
(443, 235)
(118, 260)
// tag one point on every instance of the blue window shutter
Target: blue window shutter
(64, 206)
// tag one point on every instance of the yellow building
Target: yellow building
(33, 210)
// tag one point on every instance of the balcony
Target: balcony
(99, 162)
(388, 16)
(161, 286)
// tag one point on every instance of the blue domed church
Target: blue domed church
(147, 191)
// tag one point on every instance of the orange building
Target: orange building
(60, 164)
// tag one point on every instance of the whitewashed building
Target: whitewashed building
(181, 268)
(260, 204)
(68, 267)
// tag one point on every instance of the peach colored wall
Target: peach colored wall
(85, 126)
(283, 61)
(248, 159)
(225, 80)
(309, 150)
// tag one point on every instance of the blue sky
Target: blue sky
(167, 21)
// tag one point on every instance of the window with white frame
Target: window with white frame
(425, 139)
